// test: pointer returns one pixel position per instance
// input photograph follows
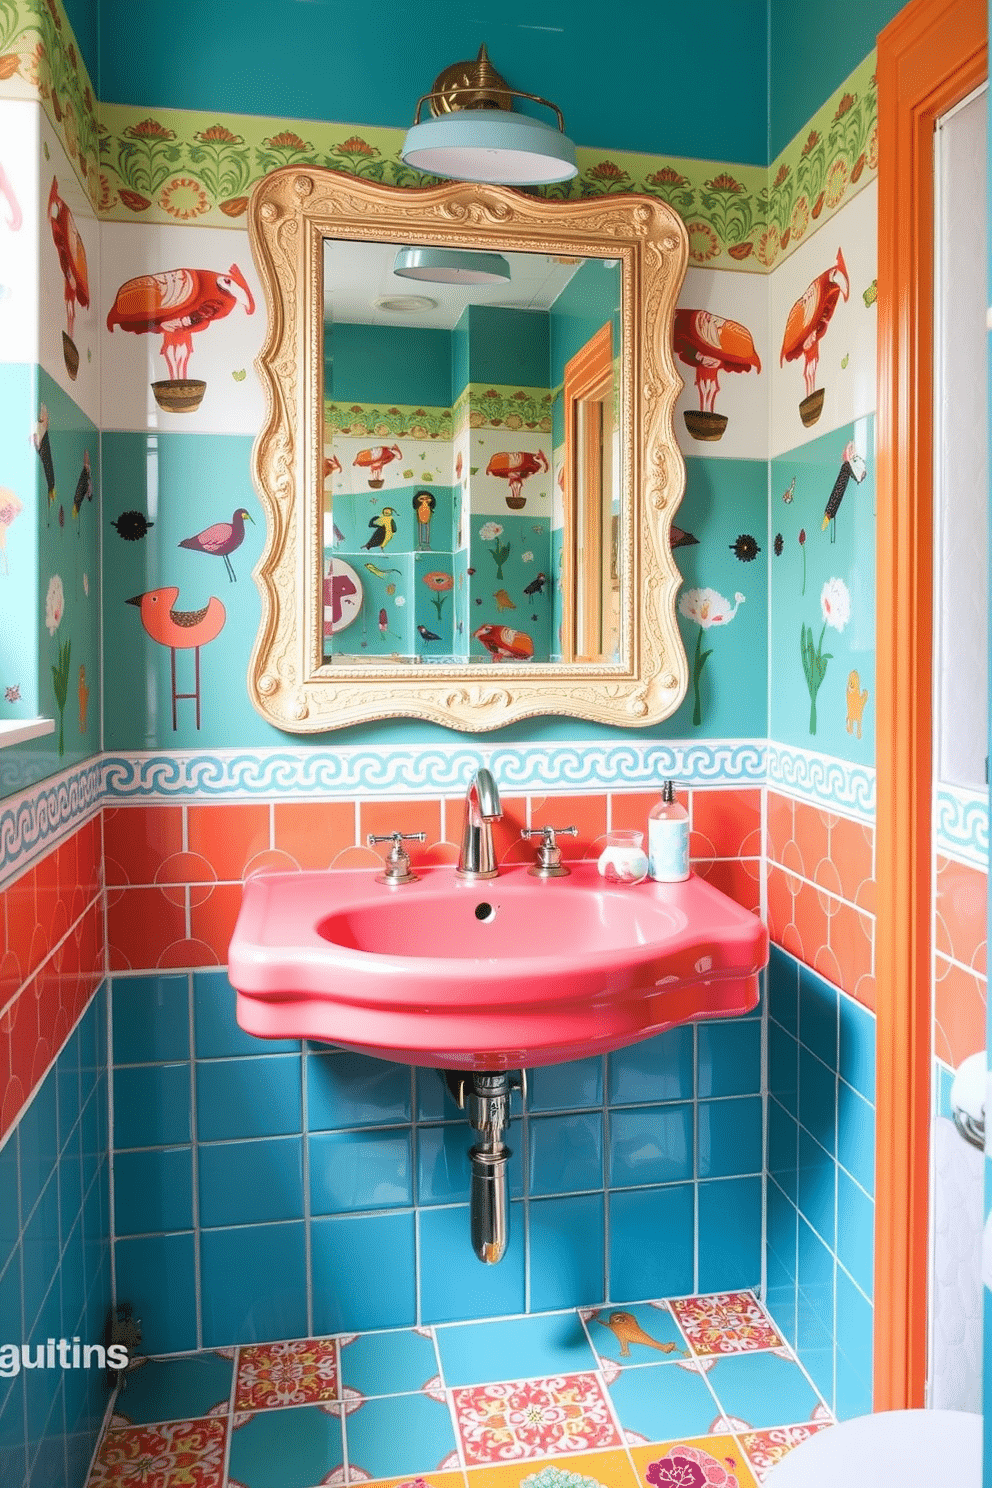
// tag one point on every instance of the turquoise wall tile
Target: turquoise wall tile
(854, 1350)
(364, 1272)
(856, 1136)
(817, 1186)
(818, 1016)
(850, 558)
(38, 1143)
(566, 1251)
(663, 1268)
(150, 1019)
(728, 1058)
(13, 1446)
(729, 1137)
(444, 1174)
(566, 1152)
(152, 1106)
(157, 1275)
(857, 1047)
(855, 1232)
(259, 1097)
(9, 1205)
(246, 1183)
(40, 1249)
(659, 1069)
(67, 1087)
(564, 1087)
(729, 1234)
(783, 1148)
(783, 1067)
(254, 1284)
(453, 1285)
(650, 1144)
(216, 1031)
(817, 1099)
(783, 989)
(355, 1090)
(360, 1170)
(153, 1191)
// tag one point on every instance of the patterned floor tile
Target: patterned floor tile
(638, 1334)
(425, 1480)
(396, 1363)
(597, 1470)
(174, 1390)
(299, 1373)
(731, 1323)
(765, 1449)
(514, 1349)
(296, 1447)
(713, 1462)
(178, 1454)
(401, 1434)
(534, 1418)
(656, 1404)
(756, 1391)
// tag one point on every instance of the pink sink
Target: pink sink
(493, 974)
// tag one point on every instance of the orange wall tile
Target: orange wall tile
(138, 839)
(228, 836)
(314, 832)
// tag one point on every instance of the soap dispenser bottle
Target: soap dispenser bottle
(668, 838)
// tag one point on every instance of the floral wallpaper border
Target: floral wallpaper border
(187, 167)
(401, 421)
(503, 408)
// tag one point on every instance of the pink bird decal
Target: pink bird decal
(177, 303)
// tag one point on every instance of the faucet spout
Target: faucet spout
(477, 858)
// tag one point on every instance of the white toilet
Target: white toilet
(904, 1449)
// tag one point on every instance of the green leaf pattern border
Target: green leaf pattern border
(198, 169)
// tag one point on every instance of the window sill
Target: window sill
(16, 730)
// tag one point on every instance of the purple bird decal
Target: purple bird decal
(222, 539)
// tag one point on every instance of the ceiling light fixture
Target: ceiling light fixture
(451, 266)
(474, 134)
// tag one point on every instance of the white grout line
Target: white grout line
(195, 1168)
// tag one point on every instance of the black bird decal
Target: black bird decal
(853, 465)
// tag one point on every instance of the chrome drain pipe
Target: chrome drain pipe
(486, 1097)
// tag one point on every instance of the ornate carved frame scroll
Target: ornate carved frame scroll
(291, 212)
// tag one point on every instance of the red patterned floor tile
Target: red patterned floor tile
(300, 1373)
(180, 1454)
(765, 1449)
(534, 1418)
(731, 1323)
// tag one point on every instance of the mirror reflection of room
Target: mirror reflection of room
(464, 519)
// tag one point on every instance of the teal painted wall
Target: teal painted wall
(507, 347)
(590, 299)
(656, 77)
(387, 364)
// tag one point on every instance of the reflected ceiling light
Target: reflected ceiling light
(402, 304)
(451, 266)
(474, 135)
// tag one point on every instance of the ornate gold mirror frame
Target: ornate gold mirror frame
(291, 213)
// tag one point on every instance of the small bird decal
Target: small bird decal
(178, 302)
(222, 539)
(180, 630)
(856, 700)
(332, 465)
(381, 573)
(84, 486)
(375, 458)
(627, 1330)
(424, 505)
(132, 526)
(84, 698)
(43, 445)
(427, 635)
(384, 529)
(504, 643)
(852, 465)
(789, 496)
(72, 256)
(503, 600)
(536, 586)
(679, 538)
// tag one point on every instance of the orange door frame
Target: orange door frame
(929, 57)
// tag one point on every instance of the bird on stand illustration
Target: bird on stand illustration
(43, 445)
(712, 345)
(515, 467)
(375, 459)
(72, 261)
(180, 630)
(222, 539)
(504, 643)
(852, 467)
(179, 302)
(807, 325)
(384, 526)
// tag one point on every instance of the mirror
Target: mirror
(468, 468)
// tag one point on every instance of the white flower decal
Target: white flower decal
(489, 530)
(54, 604)
(835, 603)
(527, 557)
(706, 607)
(399, 601)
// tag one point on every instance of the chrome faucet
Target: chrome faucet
(477, 858)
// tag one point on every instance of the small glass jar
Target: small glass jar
(623, 859)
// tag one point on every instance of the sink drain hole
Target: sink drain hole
(485, 912)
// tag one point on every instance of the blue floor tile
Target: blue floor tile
(521, 1348)
(640, 1334)
(175, 1389)
(664, 1402)
(402, 1434)
(394, 1363)
(291, 1448)
(763, 1389)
